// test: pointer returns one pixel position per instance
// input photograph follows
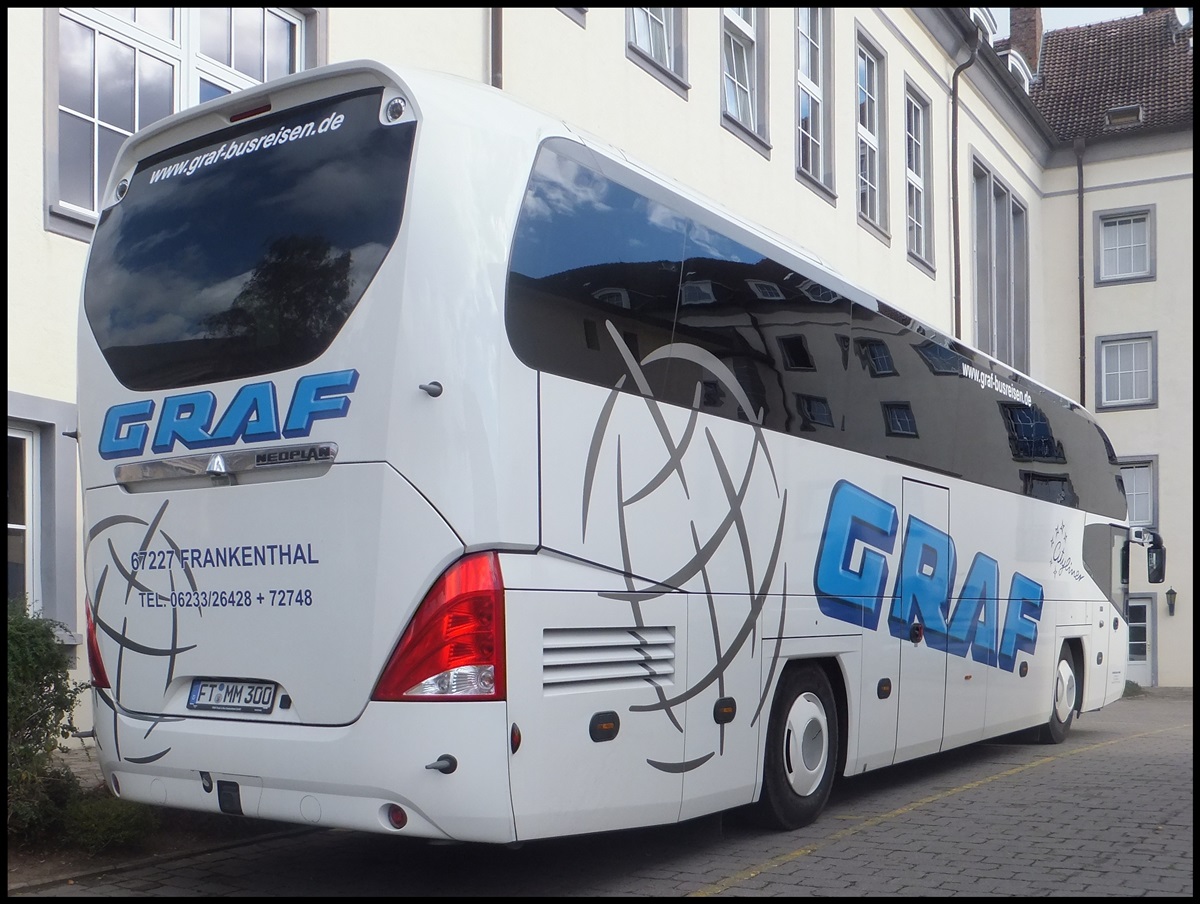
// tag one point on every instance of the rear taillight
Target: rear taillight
(95, 663)
(453, 649)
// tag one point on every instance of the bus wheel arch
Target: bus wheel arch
(804, 749)
(1068, 693)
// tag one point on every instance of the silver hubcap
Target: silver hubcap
(806, 744)
(1064, 690)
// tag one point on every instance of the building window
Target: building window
(983, 17)
(1126, 371)
(796, 355)
(1137, 615)
(1029, 434)
(899, 419)
(1124, 245)
(119, 70)
(918, 204)
(698, 291)
(43, 526)
(1019, 68)
(22, 509)
(767, 291)
(743, 68)
(1141, 491)
(939, 359)
(814, 412)
(1056, 488)
(614, 297)
(813, 147)
(1001, 239)
(876, 356)
(871, 151)
(654, 41)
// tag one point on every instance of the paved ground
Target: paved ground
(1108, 813)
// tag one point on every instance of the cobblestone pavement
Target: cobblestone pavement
(1107, 813)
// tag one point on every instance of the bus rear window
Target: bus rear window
(246, 252)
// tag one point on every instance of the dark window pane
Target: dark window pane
(156, 90)
(795, 353)
(280, 47)
(114, 74)
(75, 161)
(209, 91)
(16, 480)
(157, 20)
(110, 144)
(76, 46)
(17, 587)
(248, 41)
(214, 33)
(235, 269)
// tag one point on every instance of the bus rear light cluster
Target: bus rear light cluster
(95, 663)
(453, 649)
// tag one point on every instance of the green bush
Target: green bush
(97, 821)
(41, 700)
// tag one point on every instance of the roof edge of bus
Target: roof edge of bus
(246, 99)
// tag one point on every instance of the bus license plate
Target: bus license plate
(232, 696)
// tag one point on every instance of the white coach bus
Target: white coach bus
(447, 474)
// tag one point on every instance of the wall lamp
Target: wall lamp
(1171, 594)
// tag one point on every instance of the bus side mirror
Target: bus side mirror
(1156, 563)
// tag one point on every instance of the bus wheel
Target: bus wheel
(1063, 713)
(802, 750)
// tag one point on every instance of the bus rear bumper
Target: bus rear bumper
(348, 776)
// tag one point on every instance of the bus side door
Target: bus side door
(918, 614)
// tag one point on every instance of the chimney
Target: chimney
(1025, 33)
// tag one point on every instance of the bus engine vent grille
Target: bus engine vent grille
(578, 659)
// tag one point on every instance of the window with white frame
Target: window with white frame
(767, 291)
(743, 68)
(1126, 370)
(985, 19)
(43, 537)
(871, 152)
(918, 205)
(899, 419)
(1001, 268)
(652, 33)
(813, 149)
(22, 509)
(1141, 492)
(1124, 245)
(119, 70)
(654, 36)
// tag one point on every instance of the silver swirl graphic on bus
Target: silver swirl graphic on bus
(732, 531)
(115, 587)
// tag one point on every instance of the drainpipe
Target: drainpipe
(975, 41)
(1079, 143)
(496, 27)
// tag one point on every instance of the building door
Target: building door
(1140, 614)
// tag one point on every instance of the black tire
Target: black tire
(802, 750)
(1062, 709)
